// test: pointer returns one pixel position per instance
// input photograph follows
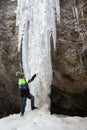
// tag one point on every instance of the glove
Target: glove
(34, 76)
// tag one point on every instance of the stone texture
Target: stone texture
(69, 87)
(69, 61)
(9, 59)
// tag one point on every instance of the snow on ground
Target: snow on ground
(42, 120)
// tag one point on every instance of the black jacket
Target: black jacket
(24, 89)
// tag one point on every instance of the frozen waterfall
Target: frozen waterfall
(37, 23)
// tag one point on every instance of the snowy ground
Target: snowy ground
(41, 120)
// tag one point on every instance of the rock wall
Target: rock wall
(9, 59)
(69, 61)
(69, 87)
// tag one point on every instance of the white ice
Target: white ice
(77, 23)
(37, 24)
(41, 120)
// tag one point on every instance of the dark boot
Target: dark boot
(22, 112)
(33, 107)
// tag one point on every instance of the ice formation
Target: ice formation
(77, 24)
(37, 23)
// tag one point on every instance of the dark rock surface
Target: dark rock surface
(69, 87)
(9, 60)
(69, 63)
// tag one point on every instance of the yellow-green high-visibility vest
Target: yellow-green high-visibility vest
(22, 81)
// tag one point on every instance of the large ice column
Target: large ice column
(37, 23)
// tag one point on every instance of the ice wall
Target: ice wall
(37, 23)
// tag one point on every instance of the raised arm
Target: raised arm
(33, 77)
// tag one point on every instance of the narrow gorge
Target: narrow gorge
(68, 58)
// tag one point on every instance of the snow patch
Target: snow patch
(41, 120)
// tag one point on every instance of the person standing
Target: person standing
(25, 91)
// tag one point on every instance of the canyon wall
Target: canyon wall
(69, 60)
(9, 58)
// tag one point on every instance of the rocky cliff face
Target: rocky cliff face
(69, 89)
(69, 61)
(9, 61)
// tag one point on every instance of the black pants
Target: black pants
(25, 93)
(23, 101)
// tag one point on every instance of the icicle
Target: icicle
(37, 22)
(77, 24)
(58, 10)
(76, 17)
